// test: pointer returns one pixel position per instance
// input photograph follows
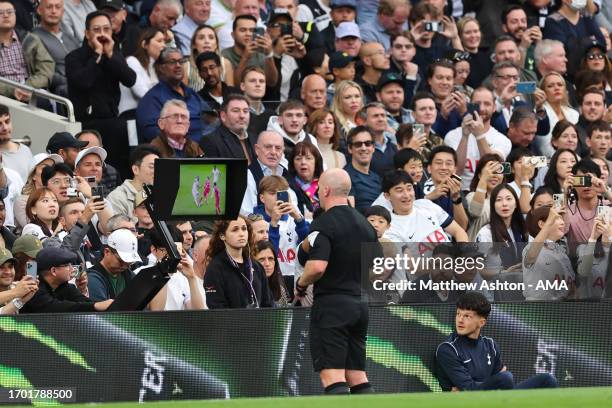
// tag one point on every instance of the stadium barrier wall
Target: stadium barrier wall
(257, 353)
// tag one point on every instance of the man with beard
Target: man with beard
(514, 23)
(214, 90)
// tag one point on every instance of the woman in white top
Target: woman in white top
(557, 108)
(42, 210)
(506, 231)
(205, 39)
(593, 261)
(486, 177)
(346, 103)
(322, 125)
(545, 259)
(150, 44)
(523, 173)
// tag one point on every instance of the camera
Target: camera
(582, 181)
(536, 161)
(98, 191)
(433, 27)
(504, 168)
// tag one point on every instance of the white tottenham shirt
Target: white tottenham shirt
(552, 265)
(497, 142)
(179, 294)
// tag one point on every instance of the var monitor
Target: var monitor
(197, 189)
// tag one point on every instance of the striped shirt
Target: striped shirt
(12, 62)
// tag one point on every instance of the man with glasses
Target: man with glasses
(214, 90)
(269, 151)
(375, 61)
(174, 140)
(94, 72)
(22, 59)
(55, 294)
(170, 71)
(365, 182)
(109, 277)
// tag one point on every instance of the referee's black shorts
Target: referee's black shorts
(338, 330)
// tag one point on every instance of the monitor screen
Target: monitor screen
(202, 189)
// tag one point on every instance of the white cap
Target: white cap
(95, 150)
(124, 242)
(41, 157)
(347, 29)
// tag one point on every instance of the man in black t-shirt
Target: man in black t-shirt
(336, 262)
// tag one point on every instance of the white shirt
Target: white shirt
(552, 265)
(544, 142)
(179, 294)
(593, 277)
(145, 80)
(383, 202)
(33, 229)
(424, 224)
(250, 195)
(496, 140)
(15, 184)
(184, 30)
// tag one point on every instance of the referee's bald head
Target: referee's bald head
(335, 183)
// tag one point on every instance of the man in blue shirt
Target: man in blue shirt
(391, 19)
(366, 185)
(467, 361)
(169, 68)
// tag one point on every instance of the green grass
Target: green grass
(564, 397)
(185, 204)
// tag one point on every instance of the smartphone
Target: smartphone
(32, 269)
(99, 192)
(456, 177)
(603, 211)
(526, 88)
(259, 32)
(282, 196)
(536, 161)
(472, 108)
(77, 271)
(557, 201)
(418, 128)
(582, 181)
(91, 180)
(432, 26)
(286, 29)
(504, 168)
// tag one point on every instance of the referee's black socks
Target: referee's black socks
(363, 388)
(339, 388)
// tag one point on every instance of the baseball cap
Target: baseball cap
(90, 150)
(126, 245)
(5, 256)
(343, 3)
(279, 12)
(140, 198)
(111, 4)
(594, 44)
(388, 78)
(41, 157)
(347, 29)
(27, 244)
(49, 257)
(339, 59)
(62, 140)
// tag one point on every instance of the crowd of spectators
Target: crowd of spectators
(482, 122)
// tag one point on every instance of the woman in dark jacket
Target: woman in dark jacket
(233, 279)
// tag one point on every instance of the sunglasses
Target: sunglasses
(595, 56)
(367, 143)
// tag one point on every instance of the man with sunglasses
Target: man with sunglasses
(169, 67)
(109, 277)
(366, 186)
(55, 294)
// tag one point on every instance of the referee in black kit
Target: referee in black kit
(339, 315)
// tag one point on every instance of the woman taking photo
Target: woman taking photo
(233, 279)
(322, 125)
(559, 169)
(487, 176)
(506, 230)
(150, 44)
(557, 108)
(305, 168)
(347, 102)
(265, 255)
(545, 259)
(42, 210)
(205, 40)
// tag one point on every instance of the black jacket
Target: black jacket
(94, 88)
(223, 143)
(212, 102)
(66, 298)
(228, 287)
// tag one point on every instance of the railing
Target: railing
(41, 93)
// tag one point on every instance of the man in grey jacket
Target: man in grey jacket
(57, 42)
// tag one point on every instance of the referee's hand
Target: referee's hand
(299, 292)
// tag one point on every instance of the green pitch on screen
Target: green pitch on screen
(196, 194)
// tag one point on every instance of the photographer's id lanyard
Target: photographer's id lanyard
(254, 302)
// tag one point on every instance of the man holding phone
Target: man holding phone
(13, 295)
(476, 137)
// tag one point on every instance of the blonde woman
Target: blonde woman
(557, 108)
(347, 102)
